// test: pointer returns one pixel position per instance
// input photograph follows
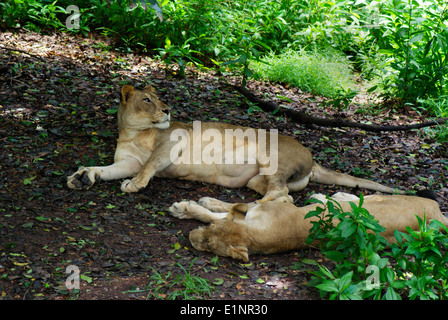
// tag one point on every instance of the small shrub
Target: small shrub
(184, 286)
(415, 267)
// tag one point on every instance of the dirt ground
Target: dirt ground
(58, 97)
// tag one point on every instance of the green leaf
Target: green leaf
(326, 272)
(86, 278)
(309, 261)
(416, 38)
(347, 228)
(345, 280)
(328, 286)
(28, 225)
(218, 281)
(335, 255)
(112, 110)
(28, 181)
(391, 294)
(386, 51)
(43, 218)
(314, 213)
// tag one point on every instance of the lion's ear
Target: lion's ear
(127, 92)
(150, 88)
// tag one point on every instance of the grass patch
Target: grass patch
(437, 108)
(324, 73)
(184, 286)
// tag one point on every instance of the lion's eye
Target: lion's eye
(147, 100)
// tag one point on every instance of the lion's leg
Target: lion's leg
(215, 205)
(192, 210)
(270, 186)
(86, 177)
(274, 193)
(258, 184)
(158, 161)
(299, 184)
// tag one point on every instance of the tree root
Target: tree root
(303, 118)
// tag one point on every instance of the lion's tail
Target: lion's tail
(326, 176)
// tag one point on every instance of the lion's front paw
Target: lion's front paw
(181, 209)
(212, 204)
(84, 178)
(133, 185)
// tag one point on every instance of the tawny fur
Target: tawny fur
(144, 150)
(237, 230)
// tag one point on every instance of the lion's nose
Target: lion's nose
(166, 109)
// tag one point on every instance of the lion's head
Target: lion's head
(142, 109)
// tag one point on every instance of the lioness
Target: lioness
(145, 149)
(237, 230)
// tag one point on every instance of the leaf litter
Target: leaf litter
(58, 111)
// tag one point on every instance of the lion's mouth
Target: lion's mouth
(163, 124)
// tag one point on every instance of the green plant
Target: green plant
(415, 37)
(245, 48)
(44, 14)
(343, 98)
(400, 45)
(362, 267)
(326, 72)
(421, 260)
(193, 287)
(183, 286)
(181, 55)
(437, 107)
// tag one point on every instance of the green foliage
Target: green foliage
(425, 266)
(400, 43)
(439, 108)
(415, 36)
(34, 15)
(326, 73)
(362, 268)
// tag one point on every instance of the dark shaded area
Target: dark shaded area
(57, 107)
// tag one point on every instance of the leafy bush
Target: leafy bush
(415, 35)
(414, 267)
(401, 42)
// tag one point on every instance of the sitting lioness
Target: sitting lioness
(148, 145)
(237, 230)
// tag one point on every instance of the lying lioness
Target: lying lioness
(236, 230)
(148, 145)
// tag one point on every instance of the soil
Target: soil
(58, 98)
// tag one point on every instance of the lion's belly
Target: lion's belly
(232, 176)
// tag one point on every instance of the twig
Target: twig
(22, 51)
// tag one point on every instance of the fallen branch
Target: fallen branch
(303, 118)
(21, 51)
